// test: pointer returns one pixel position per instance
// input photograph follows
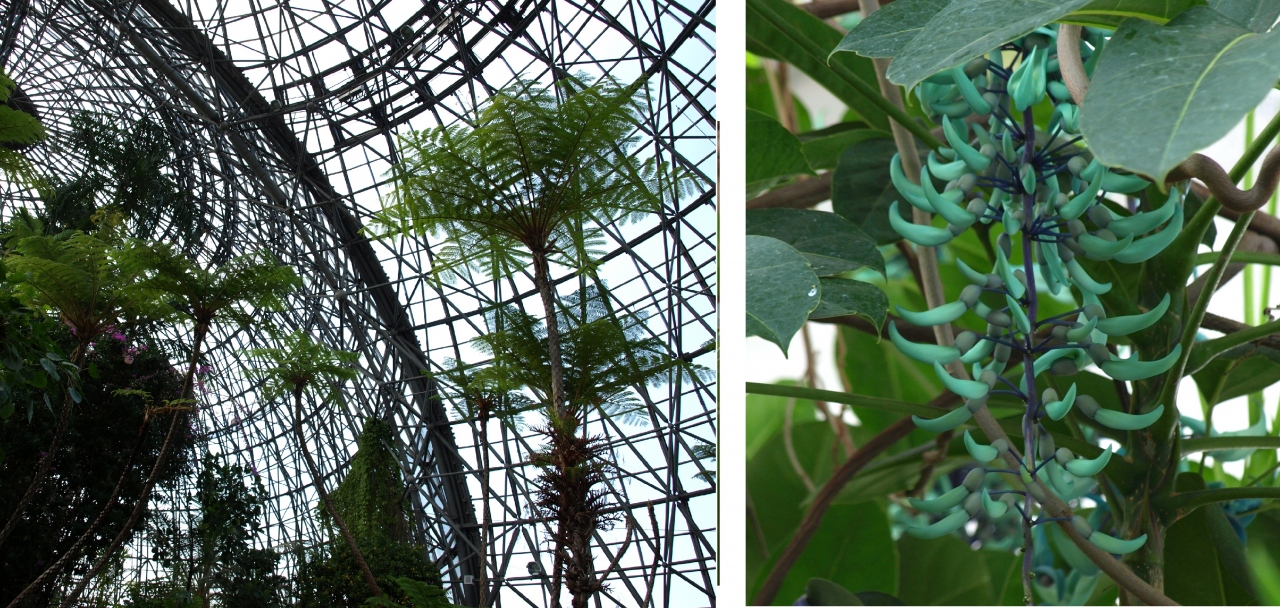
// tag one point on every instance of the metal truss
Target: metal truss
(285, 117)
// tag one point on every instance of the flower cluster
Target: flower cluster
(1045, 193)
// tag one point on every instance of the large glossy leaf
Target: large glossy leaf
(852, 548)
(887, 31)
(1257, 15)
(831, 243)
(1191, 574)
(1239, 371)
(1109, 13)
(781, 290)
(943, 572)
(966, 29)
(1160, 93)
(773, 153)
(1237, 589)
(823, 148)
(842, 297)
(861, 190)
(764, 39)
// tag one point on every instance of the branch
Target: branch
(1069, 63)
(1207, 350)
(876, 403)
(914, 333)
(617, 558)
(826, 9)
(1251, 243)
(800, 194)
(822, 501)
(1228, 326)
(1186, 502)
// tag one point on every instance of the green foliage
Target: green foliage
(605, 354)
(782, 290)
(241, 290)
(538, 174)
(28, 345)
(766, 40)
(774, 153)
(1208, 72)
(85, 468)
(831, 244)
(78, 276)
(128, 169)
(209, 554)
(956, 33)
(861, 190)
(18, 130)
(327, 575)
(422, 595)
(371, 497)
(300, 365)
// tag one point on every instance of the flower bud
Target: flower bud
(967, 182)
(966, 340)
(1002, 353)
(1099, 353)
(1077, 164)
(1063, 456)
(973, 504)
(974, 480)
(1087, 404)
(1064, 367)
(1094, 311)
(999, 318)
(988, 150)
(1059, 333)
(1100, 216)
(1048, 396)
(1081, 526)
(1005, 244)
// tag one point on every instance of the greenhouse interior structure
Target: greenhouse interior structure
(359, 303)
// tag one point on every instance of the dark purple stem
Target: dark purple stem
(1028, 363)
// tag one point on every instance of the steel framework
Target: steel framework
(285, 117)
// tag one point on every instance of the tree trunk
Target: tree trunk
(542, 281)
(485, 519)
(201, 331)
(324, 496)
(42, 467)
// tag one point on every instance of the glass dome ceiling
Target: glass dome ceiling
(284, 117)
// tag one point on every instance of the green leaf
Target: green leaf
(781, 290)
(861, 190)
(942, 572)
(875, 598)
(1108, 13)
(1267, 576)
(1239, 371)
(842, 297)
(776, 495)
(19, 127)
(1237, 588)
(766, 414)
(773, 153)
(853, 548)
(887, 31)
(1190, 556)
(1011, 592)
(1257, 15)
(823, 148)
(822, 592)
(964, 30)
(763, 39)
(1160, 93)
(93, 371)
(832, 244)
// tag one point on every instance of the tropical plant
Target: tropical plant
(78, 277)
(606, 356)
(536, 178)
(18, 130)
(421, 595)
(1061, 162)
(300, 365)
(128, 379)
(484, 394)
(201, 297)
(372, 501)
(210, 554)
(126, 168)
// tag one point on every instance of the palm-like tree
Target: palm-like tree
(486, 393)
(531, 183)
(301, 365)
(606, 357)
(80, 277)
(200, 297)
(17, 130)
